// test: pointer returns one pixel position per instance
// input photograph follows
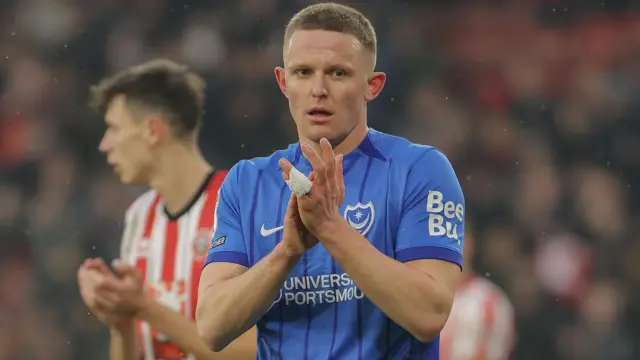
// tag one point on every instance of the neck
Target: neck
(349, 143)
(180, 171)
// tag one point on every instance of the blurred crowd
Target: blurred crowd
(535, 103)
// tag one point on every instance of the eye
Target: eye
(302, 72)
(339, 73)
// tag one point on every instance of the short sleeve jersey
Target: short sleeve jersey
(403, 197)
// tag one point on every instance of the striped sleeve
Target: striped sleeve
(127, 241)
(134, 220)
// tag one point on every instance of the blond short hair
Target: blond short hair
(334, 17)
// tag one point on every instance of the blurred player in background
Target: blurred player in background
(388, 215)
(153, 114)
(482, 324)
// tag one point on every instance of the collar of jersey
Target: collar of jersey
(366, 148)
(203, 187)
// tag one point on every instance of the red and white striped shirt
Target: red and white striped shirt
(170, 252)
(481, 325)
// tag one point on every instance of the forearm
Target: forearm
(413, 299)
(180, 330)
(123, 343)
(229, 308)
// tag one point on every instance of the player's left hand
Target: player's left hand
(319, 208)
(123, 295)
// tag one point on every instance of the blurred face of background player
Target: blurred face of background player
(130, 141)
(332, 72)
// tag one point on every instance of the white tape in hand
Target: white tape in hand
(298, 182)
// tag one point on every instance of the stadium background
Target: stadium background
(534, 102)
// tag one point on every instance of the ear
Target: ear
(156, 130)
(375, 85)
(280, 78)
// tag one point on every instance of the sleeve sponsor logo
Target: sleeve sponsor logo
(442, 215)
(217, 242)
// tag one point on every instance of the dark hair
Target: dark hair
(157, 85)
(334, 17)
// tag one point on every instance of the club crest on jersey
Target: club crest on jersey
(201, 242)
(360, 216)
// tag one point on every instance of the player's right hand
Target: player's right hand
(90, 275)
(296, 239)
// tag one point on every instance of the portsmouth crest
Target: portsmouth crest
(360, 216)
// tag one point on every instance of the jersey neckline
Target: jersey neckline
(366, 147)
(192, 202)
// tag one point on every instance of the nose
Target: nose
(319, 87)
(104, 145)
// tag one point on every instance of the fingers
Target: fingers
(89, 278)
(111, 285)
(340, 178)
(328, 160)
(292, 207)
(97, 290)
(105, 301)
(81, 272)
(285, 165)
(97, 264)
(93, 284)
(87, 295)
(327, 169)
(108, 292)
(123, 269)
(316, 163)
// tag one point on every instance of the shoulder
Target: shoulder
(141, 204)
(417, 166)
(405, 153)
(250, 170)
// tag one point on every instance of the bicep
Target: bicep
(446, 275)
(217, 272)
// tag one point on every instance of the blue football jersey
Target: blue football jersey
(403, 197)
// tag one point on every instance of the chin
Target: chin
(129, 179)
(334, 137)
(125, 179)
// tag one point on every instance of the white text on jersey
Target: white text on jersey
(441, 215)
(319, 289)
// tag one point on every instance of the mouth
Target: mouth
(319, 114)
(115, 167)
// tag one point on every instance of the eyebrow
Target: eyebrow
(331, 66)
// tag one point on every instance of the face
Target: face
(126, 144)
(328, 81)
